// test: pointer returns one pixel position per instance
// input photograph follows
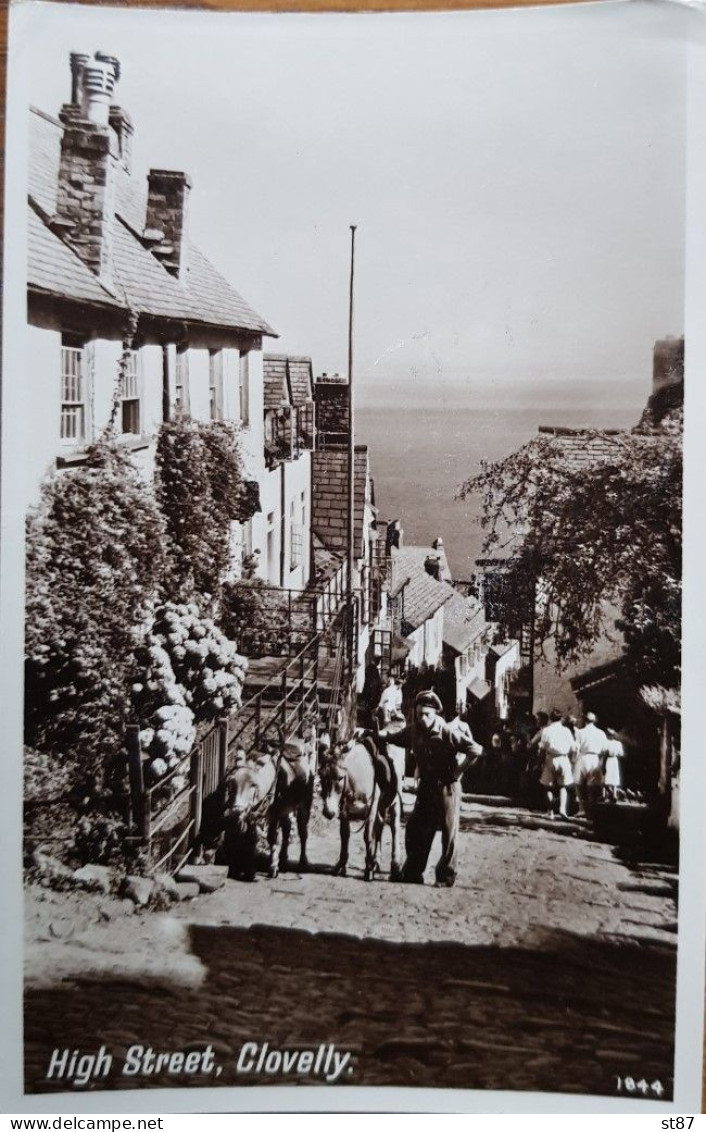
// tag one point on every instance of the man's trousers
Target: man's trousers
(438, 806)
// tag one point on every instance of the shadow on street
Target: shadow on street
(570, 1015)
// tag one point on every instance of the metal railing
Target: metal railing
(174, 815)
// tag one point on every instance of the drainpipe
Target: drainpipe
(282, 527)
(166, 403)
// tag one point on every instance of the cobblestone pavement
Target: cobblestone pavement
(550, 965)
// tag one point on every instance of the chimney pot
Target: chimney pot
(432, 566)
(78, 62)
(98, 84)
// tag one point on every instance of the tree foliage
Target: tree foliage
(200, 490)
(576, 538)
(94, 561)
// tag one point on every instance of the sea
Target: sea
(420, 456)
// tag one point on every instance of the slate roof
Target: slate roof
(50, 259)
(274, 370)
(301, 383)
(500, 648)
(583, 447)
(412, 557)
(464, 619)
(326, 561)
(201, 295)
(420, 595)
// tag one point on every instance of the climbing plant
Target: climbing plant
(201, 491)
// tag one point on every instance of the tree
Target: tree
(605, 532)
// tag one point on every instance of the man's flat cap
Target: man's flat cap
(428, 699)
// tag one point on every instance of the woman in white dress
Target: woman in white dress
(615, 752)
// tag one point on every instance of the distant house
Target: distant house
(111, 268)
(286, 477)
(464, 647)
(502, 662)
(417, 598)
(330, 506)
(573, 687)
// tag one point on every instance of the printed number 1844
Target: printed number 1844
(630, 1085)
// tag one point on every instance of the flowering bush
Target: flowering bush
(191, 673)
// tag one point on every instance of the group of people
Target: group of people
(550, 760)
(585, 759)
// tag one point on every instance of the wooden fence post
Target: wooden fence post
(138, 802)
(196, 775)
(222, 764)
(222, 748)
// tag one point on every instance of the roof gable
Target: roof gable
(420, 596)
(142, 283)
(274, 369)
(464, 620)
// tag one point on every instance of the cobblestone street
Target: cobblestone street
(550, 965)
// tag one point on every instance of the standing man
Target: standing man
(390, 705)
(372, 689)
(558, 747)
(588, 772)
(441, 753)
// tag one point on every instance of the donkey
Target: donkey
(293, 794)
(265, 790)
(249, 792)
(361, 782)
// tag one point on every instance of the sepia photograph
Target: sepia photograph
(343, 456)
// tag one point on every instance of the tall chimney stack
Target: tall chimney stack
(166, 225)
(86, 189)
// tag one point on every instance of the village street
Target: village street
(550, 965)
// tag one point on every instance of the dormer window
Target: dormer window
(130, 394)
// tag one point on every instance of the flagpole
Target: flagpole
(351, 454)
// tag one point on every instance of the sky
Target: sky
(517, 179)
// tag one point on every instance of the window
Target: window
(74, 391)
(130, 394)
(215, 384)
(181, 397)
(272, 556)
(296, 540)
(307, 426)
(244, 388)
(247, 537)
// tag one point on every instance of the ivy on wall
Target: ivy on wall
(200, 491)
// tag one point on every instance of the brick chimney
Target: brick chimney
(166, 224)
(432, 565)
(121, 124)
(333, 421)
(86, 191)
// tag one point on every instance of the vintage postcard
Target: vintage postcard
(343, 434)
